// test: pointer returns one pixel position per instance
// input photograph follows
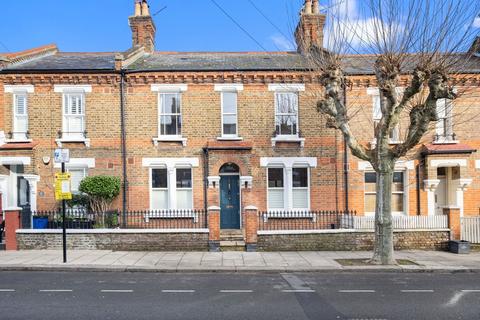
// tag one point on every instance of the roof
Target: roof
(53, 61)
(66, 62)
(450, 148)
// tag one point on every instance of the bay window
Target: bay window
(398, 192)
(171, 188)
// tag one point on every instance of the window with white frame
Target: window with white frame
(300, 187)
(229, 114)
(286, 113)
(73, 116)
(170, 117)
(398, 192)
(444, 126)
(184, 188)
(394, 135)
(276, 188)
(20, 117)
(76, 176)
(159, 189)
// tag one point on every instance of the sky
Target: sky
(184, 25)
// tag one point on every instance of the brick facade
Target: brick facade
(201, 108)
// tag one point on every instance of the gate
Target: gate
(26, 217)
(471, 229)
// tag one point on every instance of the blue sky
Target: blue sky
(185, 25)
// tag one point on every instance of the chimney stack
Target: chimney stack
(143, 27)
(309, 32)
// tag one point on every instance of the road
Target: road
(78, 295)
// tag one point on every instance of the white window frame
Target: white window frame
(78, 168)
(302, 188)
(235, 135)
(404, 193)
(171, 188)
(161, 97)
(16, 134)
(190, 189)
(277, 114)
(444, 124)
(285, 191)
(68, 135)
(152, 189)
(377, 115)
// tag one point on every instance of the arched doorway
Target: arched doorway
(230, 196)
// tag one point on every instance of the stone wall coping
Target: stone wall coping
(109, 231)
(279, 232)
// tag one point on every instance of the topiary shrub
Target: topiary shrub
(101, 190)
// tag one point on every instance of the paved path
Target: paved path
(97, 260)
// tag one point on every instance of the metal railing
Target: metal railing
(147, 219)
(305, 220)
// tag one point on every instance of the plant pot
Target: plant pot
(459, 246)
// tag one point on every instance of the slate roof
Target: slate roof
(66, 62)
(202, 61)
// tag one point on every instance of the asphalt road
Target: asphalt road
(76, 295)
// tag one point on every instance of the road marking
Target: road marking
(418, 290)
(471, 290)
(236, 291)
(455, 298)
(298, 290)
(117, 291)
(7, 290)
(56, 290)
(356, 291)
(178, 291)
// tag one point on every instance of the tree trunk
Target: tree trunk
(383, 246)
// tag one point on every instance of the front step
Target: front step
(232, 240)
(226, 245)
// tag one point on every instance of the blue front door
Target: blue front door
(229, 202)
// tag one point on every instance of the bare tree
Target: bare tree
(419, 51)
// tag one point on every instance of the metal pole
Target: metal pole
(64, 224)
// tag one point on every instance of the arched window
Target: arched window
(229, 168)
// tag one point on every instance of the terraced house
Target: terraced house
(189, 130)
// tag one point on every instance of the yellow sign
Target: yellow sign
(62, 186)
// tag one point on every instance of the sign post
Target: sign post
(62, 191)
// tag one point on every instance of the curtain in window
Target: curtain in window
(286, 115)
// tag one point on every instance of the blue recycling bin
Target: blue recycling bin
(40, 222)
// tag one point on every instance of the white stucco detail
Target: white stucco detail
(26, 161)
(32, 182)
(19, 88)
(286, 87)
(213, 182)
(61, 88)
(78, 162)
(169, 87)
(170, 162)
(246, 180)
(288, 162)
(228, 87)
(448, 163)
(399, 165)
(477, 164)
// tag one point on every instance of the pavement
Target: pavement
(302, 261)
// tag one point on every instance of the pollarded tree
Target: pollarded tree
(415, 45)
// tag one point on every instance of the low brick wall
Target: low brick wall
(119, 240)
(336, 240)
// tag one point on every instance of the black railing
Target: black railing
(305, 220)
(151, 219)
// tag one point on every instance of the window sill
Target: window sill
(445, 141)
(86, 141)
(294, 214)
(170, 139)
(293, 139)
(167, 214)
(226, 138)
(18, 140)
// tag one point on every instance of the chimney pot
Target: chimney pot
(308, 7)
(138, 9)
(316, 7)
(145, 8)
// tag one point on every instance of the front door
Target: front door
(23, 201)
(229, 202)
(441, 195)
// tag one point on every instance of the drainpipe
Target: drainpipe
(205, 178)
(345, 156)
(124, 146)
(418, 188)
